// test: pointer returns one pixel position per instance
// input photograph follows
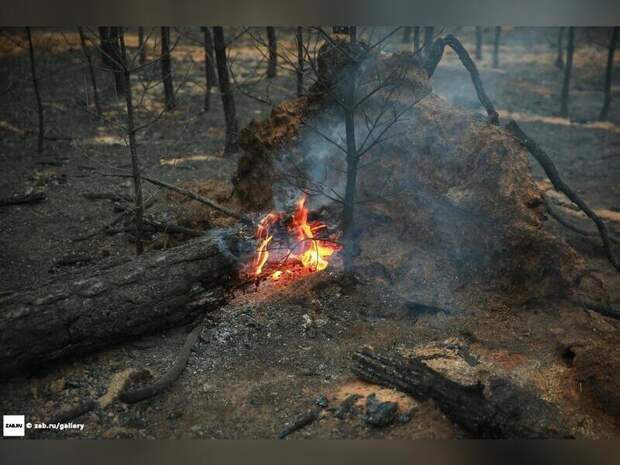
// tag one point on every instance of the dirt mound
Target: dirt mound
(446, 198)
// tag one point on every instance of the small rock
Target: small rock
(322, 401)
(380, 414)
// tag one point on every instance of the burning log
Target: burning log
(500, 409)
(74, 314)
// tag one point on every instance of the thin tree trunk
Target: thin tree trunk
(135, 164)
(559, 60)
(353, 34)
(498, 34)
(166, 69)
(37, 94)
(111, 55)
(210, 77)
(348, 219)
(570, 49)
(300, 61)
(91, 70)
(428, 36)
(478, 43)
(141, 45)
(105, 46)
(416, 38)
(228, 101)
(272, 66)
(407, 35)
(608, 73)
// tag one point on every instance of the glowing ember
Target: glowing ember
(308, 251)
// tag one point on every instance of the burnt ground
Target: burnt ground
(260, 363)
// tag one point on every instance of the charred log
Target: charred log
(499, 410)
(78, 313)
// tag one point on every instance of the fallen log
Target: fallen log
(500, 409)
(81, 312)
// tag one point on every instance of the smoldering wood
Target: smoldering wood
(501, 410)
(81, 312)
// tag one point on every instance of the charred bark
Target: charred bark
(77, 313)
(91, 70)
(228, 100)
(502, 410)
(35, 84)
(613, 43)
(272, 65)
(351, 182)
(166, 69)
(568, 69)
(210, 77)
(111, 56)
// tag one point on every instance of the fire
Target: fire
(307, 250)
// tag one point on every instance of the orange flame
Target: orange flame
(308, 250)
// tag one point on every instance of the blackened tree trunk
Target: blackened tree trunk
(111, 56)
(77, 313)
(613, 43)
(416, 38)
(210, 77)
(407, 32)
(348, 219)
(559, 59)
(496, 42)
(166, 69)
(91, 70)
(141, 45)
(228, 101)
(272, 65)
(135, 164)
(570, 50)
(300, 61)
(428, 36)
(478, 43)
(37, 94)
(105, 46)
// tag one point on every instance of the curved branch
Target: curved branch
(559, 184)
